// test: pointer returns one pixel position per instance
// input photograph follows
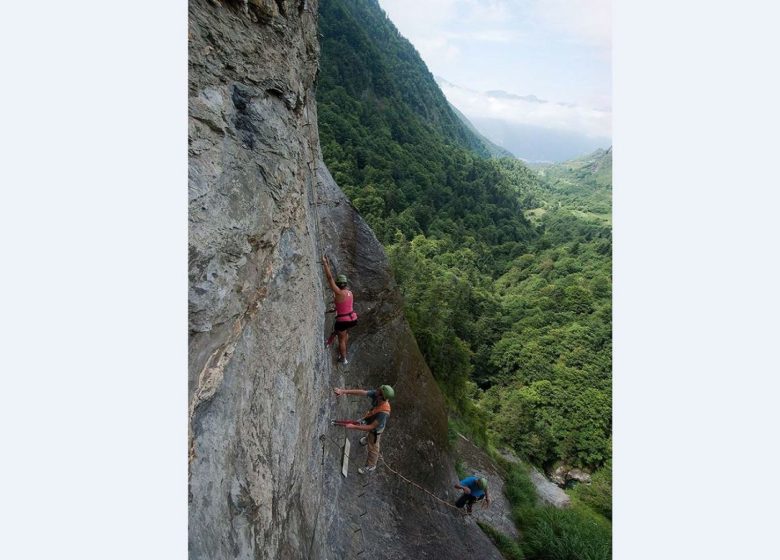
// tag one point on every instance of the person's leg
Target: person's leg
(343, 336)
(373, 449)
(462, 500)
(471, 499)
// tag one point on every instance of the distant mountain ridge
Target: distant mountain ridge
(501, 94)
(535, 143)
(526, 141)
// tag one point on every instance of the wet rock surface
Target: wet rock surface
(265, 465)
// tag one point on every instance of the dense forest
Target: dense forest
(505, 270)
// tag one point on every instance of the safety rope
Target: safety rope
(477, 515)
(352, 456)
(431, 494)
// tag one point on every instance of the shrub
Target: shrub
(598, 494)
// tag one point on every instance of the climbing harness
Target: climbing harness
(384, 406)
(345, 308)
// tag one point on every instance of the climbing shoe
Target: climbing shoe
(364, 440)
(366, 470)
(343, 360)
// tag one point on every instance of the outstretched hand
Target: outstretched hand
(339, 392)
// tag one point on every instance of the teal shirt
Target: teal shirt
(471, 483)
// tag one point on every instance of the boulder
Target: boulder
(563, 475)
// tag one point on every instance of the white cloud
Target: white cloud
(416, 17)
(561, 116)
(442, 22)
(487, 11)
(559, 49)
(439, 47)
(589, 21)
(489, 35)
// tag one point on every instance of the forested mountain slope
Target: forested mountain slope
(493, 149)
(505, 270)
(393, 144)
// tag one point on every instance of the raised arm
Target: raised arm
(329, 275)
(357, 392)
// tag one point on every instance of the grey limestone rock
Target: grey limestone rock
(264, 463)
(563, 474)
(547, 492)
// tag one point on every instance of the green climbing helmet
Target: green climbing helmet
(482, 483)
(387, 391)
(341, 279)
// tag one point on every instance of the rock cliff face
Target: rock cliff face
(265, 465)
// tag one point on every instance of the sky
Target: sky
(556, 50)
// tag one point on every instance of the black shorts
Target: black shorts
(344, 325)
(467, 499)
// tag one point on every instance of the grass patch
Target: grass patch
(597, 494)
(575, 533)
(506, 545)
(580, 532)
(564, 534)
(460, 469)
(473, 426)
(519, 490)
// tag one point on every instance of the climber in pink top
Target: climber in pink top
(346, 318)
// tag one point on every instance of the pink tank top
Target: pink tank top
(344, 310)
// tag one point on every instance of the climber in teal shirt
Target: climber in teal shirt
(474, 489)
